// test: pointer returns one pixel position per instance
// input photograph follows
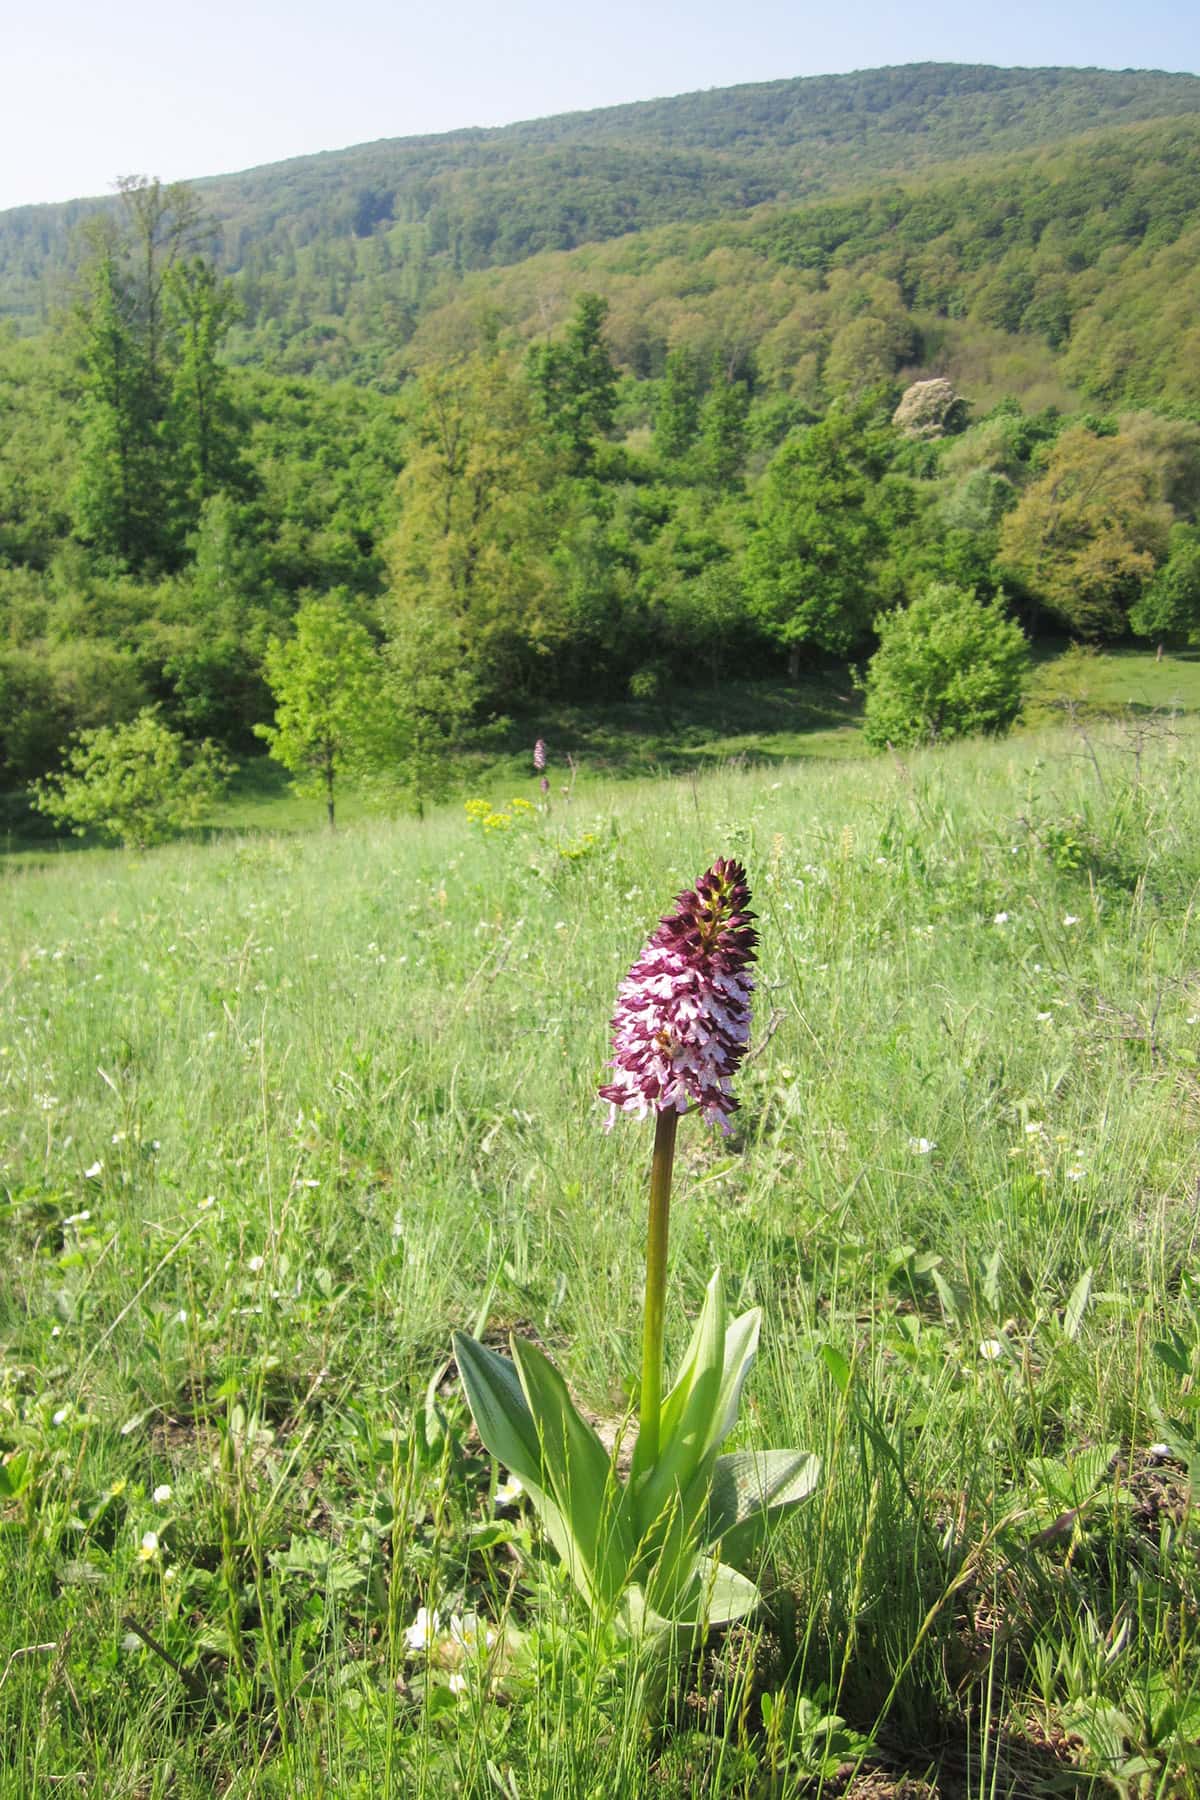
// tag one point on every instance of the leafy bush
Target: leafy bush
(947, 666)
(137, 783)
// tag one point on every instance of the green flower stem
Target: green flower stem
(656, 1283)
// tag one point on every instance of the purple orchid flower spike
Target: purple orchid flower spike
(683, 1012)
(679, 1033)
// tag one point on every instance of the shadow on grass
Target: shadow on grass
(766, 721)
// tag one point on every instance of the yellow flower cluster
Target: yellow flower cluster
(491, 818)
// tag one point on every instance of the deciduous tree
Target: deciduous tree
(328, 688)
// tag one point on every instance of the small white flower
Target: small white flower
(95, 1172)
(1076, 1173)
(457, 1683)
(208, 1200)
(162, 1493)
(79, 1218)
(1159, 1452)
(1001, 918)
(1044, 1018)
(149, 1545)
(991, 1349)
(61, 1416)
(421, 1632)
(510, 1491)
(254, 1264)
(1070, 919)
(922, 1146)
(470, 1633)
(181, 1316)
(170, 1574)
(1034, 1126)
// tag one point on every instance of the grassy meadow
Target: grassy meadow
(279, 1111)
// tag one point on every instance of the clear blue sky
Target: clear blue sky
(182, 89)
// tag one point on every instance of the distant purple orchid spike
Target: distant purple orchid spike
(539, 756)
(683, 1012)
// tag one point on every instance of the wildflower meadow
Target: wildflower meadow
(306, 1192)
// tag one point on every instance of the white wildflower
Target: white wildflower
(420, 1634)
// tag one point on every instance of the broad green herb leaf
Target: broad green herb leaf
(837, 1367)
(724, 1594)
(991, 1281)
(1175, 1353)
(1077, 1305)
(750, 1483)
(741, 1348)
(702, 1351)
(577, 1471)
(687, 1422)
(945, 1293)
(499, 1408)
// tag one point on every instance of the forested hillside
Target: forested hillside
(618, 467)
(398, 214)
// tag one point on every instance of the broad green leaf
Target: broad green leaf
(701, 1351)
(991, 1280)
(724, 1594)
(687, 1420)
(1176, 1354)
(1077, 1305)
(753, 1483)
(837, 1367)
(1072, 1484)
(741, 1348)
(945, 1293)
(577, 1472)
(715, 1595)
(499, 1408)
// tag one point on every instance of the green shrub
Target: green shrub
(137, 783)
(947, 666)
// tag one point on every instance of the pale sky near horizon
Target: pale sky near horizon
(186, 89)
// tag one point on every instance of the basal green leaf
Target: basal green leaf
(576, 1470)
(499, 1408)
(687, 1419)
(755, 1483)
(1077, 1305)
(724, 1594)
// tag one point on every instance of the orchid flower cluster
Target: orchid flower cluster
(657, 1553)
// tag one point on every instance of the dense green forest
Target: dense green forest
(402, 213)
(688, 449)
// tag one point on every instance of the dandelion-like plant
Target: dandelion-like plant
(658, 1553)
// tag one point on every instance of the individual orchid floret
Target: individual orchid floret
(682, 1021)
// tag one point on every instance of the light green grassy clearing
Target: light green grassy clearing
(340, 1092)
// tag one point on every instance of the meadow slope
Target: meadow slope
(277, 1113)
